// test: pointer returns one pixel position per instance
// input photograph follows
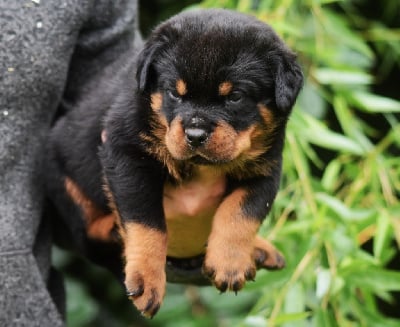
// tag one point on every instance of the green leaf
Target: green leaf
(324, 281)
(383, 234)
(349, 123)
(373, 103)
(331, 175)
(295, 301)
(311, 101)
(373, 278)
(292, 317)
(344, 212)
(255, 321)
(337, 26)
(318, 134)
(372, 317)
(269, 279)
(342, 77)
(325, 318)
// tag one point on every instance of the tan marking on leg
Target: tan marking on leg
(229, 258)
(266, 255)
(98, 224)
(102, 227)
(225, 88)
(181, 87)
(145, 252)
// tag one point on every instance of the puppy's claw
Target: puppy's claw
(236, 287)
(135, 293)
(223, 287)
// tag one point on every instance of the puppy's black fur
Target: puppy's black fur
(210, 90)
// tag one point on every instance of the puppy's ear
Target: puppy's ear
(288, 81)
(146, 57)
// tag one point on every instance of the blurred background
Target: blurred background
(337, 215)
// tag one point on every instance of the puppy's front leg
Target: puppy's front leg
(230, 257)
(145, 257)
(135, 187)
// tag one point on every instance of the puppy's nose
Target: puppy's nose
(196, 136)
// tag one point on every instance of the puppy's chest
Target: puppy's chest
(189, 210)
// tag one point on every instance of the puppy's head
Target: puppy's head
(222, 85)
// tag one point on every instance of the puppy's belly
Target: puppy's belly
(189, 211)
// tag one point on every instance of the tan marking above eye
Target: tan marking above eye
(225, 88)
(181, 87)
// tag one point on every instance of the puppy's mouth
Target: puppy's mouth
(200, 160)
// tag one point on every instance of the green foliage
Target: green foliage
(341, 180)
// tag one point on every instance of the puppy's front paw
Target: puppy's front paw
(229, 267)
(146, 287)
(145, 255)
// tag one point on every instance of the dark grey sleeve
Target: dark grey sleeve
(110, 32)
(49, 50)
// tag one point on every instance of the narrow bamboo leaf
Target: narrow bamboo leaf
(331, 173)
(324, 281)
(255, 321)
(325, 318)
(320, 135)
(340, 77)
(270, 279)
(373, 103)
(342, 210)
(291, 317)
(383, 234)
(295, 301)
(396, 227)
(311, 101)
(374, 278)
(350, 124)
(371, 317)
(337, 25)
(333, 141)
(337, 285)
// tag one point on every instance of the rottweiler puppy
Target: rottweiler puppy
(177, 154)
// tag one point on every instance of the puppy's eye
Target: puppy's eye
(235, 97)
(174, 95)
